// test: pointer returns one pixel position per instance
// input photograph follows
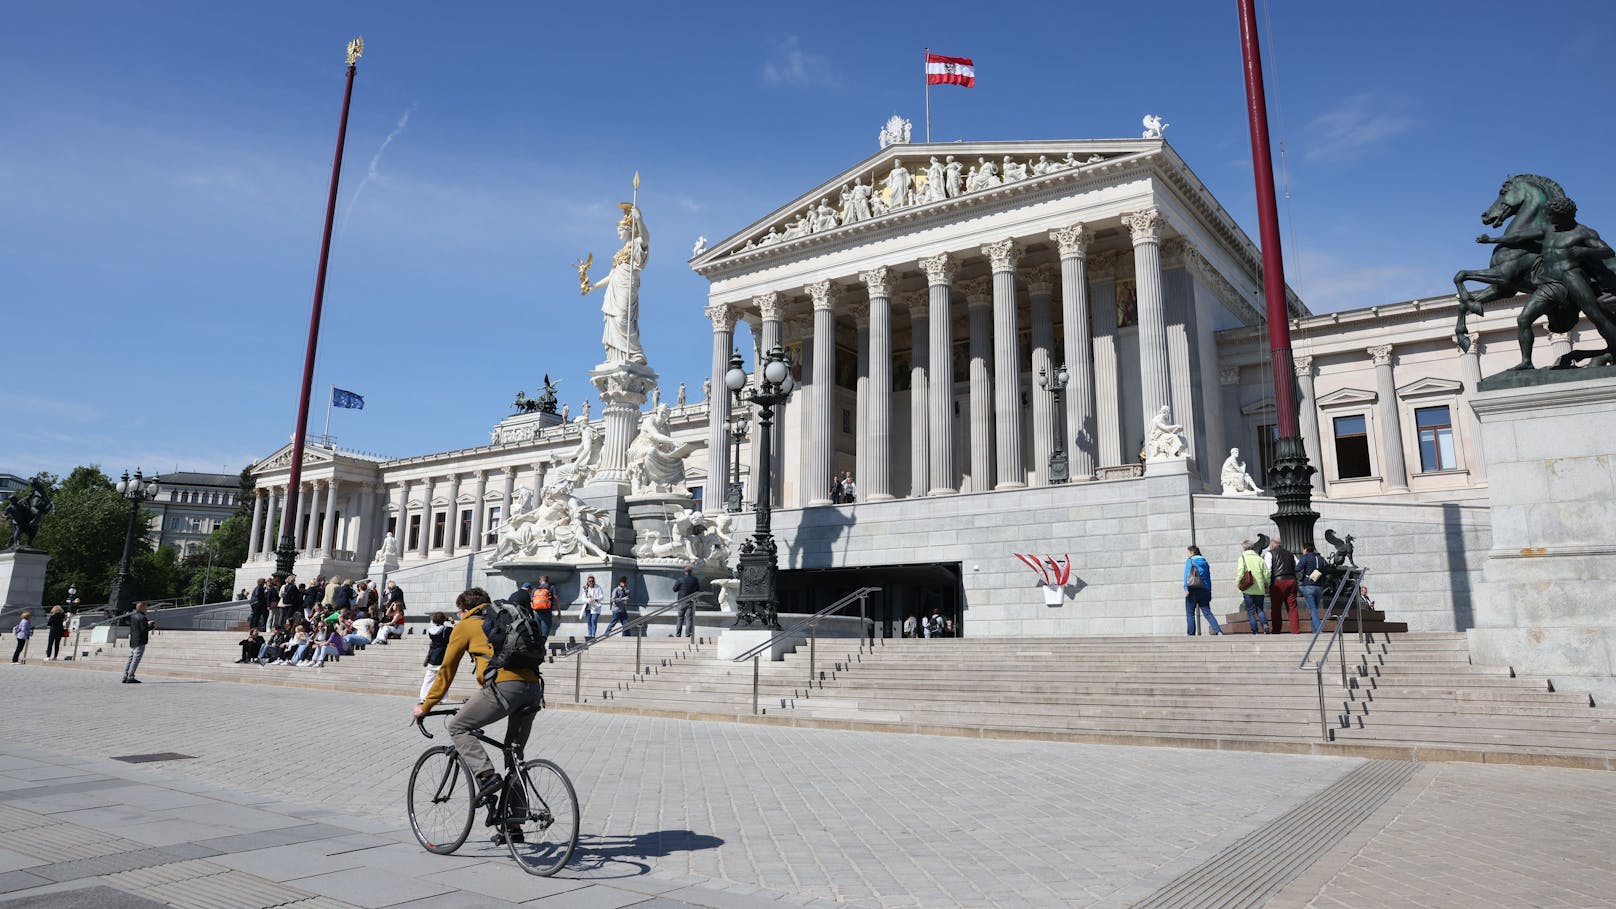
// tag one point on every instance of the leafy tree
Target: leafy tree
(157, 575)
(84, 534)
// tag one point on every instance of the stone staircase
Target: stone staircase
(1412, 695)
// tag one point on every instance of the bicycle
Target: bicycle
(534, 812)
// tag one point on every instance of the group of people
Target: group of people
(270, 603)
(935, 625)
(1275, 574)
(293, 624)
(843, 491)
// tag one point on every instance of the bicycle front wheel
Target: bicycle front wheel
(440, 800)
(548, 820)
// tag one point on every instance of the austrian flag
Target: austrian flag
(941, 70)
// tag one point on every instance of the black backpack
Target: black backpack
(516, 636)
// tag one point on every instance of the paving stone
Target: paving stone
(92, 897)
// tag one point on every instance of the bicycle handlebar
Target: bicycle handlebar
(421, 727)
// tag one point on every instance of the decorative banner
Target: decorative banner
(347, 399)
(1058, 574)
(941, 70)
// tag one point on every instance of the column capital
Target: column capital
(511, 470)
(722, 316)
(823, 294)
(1303, 366)
(1145, 226)
(878, 281)
(770, 305)
(1041, 281)
(1072, 239)
(860, 311)
(918, 302)
(939, 269)
(1104, 265)
(1003, 255)
(1382, 354)
(978, 291)
(1229, 375)
(1475, 347)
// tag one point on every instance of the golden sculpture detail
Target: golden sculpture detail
(583, 266)
(356, 49)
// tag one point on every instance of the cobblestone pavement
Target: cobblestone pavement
(721, 814)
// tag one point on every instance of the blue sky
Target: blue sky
(163, 173)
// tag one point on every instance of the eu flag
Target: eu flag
(348, 399)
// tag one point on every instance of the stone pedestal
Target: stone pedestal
(22, 585)
(623, 388)
(651, 516)
(1545, 608)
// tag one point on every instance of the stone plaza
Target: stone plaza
(727, 815)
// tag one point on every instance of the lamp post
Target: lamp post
(1056, 385)
(737, 434)
(756, 565)
(137, 490)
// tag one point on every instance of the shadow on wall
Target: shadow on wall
(1453, 537)
(818, 531)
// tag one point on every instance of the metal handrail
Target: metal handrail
(812, 624)
(639, 621)
(1352, 580)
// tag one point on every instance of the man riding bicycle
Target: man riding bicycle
(508, 692)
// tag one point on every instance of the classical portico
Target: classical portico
(929, 320)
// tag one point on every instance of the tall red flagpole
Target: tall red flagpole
(286, 552)
(1290, 478)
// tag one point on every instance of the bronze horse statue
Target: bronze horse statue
(1522, 202)
(26, 511)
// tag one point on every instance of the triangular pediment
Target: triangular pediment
(282, 458)
(1429, 386)
(1342, 397)
(1259, 406)
(804, 220)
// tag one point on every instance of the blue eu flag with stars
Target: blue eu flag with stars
(341, 398)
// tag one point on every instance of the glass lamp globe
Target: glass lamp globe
(735, 379)
(775, 372)
(1061, 375)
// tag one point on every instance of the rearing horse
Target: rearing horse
(1520, 201)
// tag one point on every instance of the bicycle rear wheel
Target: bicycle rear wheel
(548, 820)
(440, 800)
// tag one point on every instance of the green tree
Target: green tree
(157, 575)
(84, 534)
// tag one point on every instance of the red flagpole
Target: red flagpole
(286, 552)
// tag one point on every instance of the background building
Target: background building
(9, 484)
(189, 506)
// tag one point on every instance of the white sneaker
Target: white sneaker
(280, 663)
(306, 663)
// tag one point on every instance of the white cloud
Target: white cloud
(791, 65)
(1354, 128)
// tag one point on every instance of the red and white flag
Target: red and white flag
(941, 70)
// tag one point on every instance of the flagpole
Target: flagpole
(925, 72)
(286, 550)
(327, 434)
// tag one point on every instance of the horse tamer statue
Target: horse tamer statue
(26, 511)
(1568, 271)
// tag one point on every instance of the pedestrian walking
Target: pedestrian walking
(1251, 578)
(619, 605)
(1282, 587)
(140, 626)
(543, 600)
(1310, 581)
(1198, 591)
(24, 630)
(55, 632)
(911, 626)
(683, 589)
(437, 643)
(594, 598)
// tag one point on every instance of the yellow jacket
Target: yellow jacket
(467, 637)
(1252, 562)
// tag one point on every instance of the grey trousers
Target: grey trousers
(481, 709)
(135, 653)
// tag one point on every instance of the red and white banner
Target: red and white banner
(941, 70)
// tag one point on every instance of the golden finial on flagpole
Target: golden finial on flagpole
(356, 49)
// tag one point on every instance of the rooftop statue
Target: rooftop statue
(621, 304)
(896, 131)
(1153, 127)
(26, 511)
(547, 401)
(1568, 271)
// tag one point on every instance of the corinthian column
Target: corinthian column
(1081, 438)
(479, 488)
(876, 483)
(310, 531)
(940, 373)
(718, 469)
(269, 541)
(771, 307)
(1309, 412)
(1039, 291)
(451, 523)
(979, 301)
(1154, 389)
(1003, 256)
(257, 535)
(328, 530)
(1470, 369)
(861, 395)
(1392, 467)
(916, 301)
(822, 442)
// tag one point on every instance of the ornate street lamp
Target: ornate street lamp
(737, 433)
(756, 566)
(137, 491)
(1058, 470)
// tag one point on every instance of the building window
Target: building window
(463, 537)
(695, 493)
(415, 532)
(1352, 447)
(491, 535)
(439, 522)
(392, 525)
(1435, 425)
(1267, 449)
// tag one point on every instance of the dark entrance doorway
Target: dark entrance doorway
(905, 590)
